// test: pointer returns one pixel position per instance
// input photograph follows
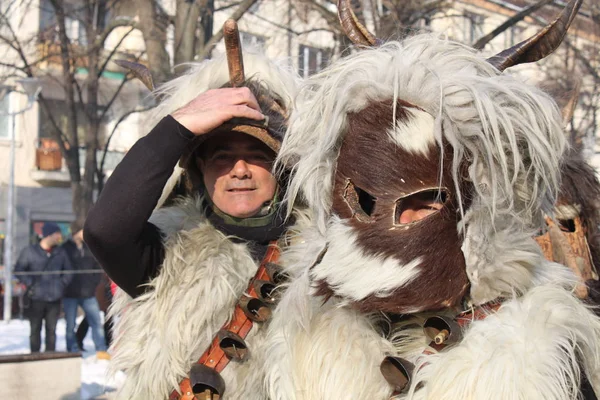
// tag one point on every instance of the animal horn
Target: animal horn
(138, 70)
(356, 32)
(233, 48)
(540, 45)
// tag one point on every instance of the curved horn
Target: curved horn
(540, 45)
(233, 48)
(356, 32)
(138, 70)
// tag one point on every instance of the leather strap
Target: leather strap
(214, 357)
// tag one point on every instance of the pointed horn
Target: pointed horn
(356, 32)
(569, 108)
(540, 45)
(138, 70)
(233, 48)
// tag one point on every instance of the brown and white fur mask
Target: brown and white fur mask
(424, 117)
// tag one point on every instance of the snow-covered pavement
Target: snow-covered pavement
(14, 339)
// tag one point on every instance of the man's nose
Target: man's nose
(241, 170)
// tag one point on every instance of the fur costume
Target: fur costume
(161, 333)
(431, 116)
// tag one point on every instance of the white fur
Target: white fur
(570, 211)
(529, 349)
(508, 133)
(355, 275)
(162, 332)
(415, 135)
(504, 259)
(314, 351)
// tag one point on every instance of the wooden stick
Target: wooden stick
(233, 48)
(441, 336)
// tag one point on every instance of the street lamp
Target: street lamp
(32, 88)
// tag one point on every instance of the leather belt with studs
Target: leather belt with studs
(204, 381)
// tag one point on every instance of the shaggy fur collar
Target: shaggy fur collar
(532, 348)
(162, 332)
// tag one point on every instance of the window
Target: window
(252, 41)
(473, 26)
(74, 20)
(59, 113)
(5, 126)
(311, 60)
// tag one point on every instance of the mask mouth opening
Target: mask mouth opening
(360, 202)
(419, 206)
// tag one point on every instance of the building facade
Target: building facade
(299, 33)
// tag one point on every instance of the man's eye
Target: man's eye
(221, 157)
(263, 158)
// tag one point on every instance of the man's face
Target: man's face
(55, 239)
(237, 173)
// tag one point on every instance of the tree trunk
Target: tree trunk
(243, 6)
(68, 76)
(186, 24)
(91, 107)
(154, 29)
(206, 26)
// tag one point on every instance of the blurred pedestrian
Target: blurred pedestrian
(82, 292)
(45, 288)
(104, 296)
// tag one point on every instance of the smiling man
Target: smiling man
(237, 174)
(185, 268)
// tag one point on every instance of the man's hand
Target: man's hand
(212, 108)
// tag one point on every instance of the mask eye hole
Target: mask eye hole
(361, 202)
(567, 225)
(418, 206)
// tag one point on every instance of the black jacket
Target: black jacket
(126, 245)
(45, 286)
(83, 285)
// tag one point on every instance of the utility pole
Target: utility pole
(32, 88)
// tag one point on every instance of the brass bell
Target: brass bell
(442, 330)
(233, 345)
(275, 272)
(397, 372)
(205, 381)
(255, 309)
(266, 291)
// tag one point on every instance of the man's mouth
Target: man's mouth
(240, 190)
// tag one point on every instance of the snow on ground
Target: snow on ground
(14, 339)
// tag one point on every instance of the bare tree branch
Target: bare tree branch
(480, 44)
(237, 14)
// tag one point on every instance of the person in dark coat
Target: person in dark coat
(46, 288)
(82, 292)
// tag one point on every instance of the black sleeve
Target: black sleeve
(117, 231)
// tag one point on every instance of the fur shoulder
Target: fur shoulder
(185, 214)
(534, 347)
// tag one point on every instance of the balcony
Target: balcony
(51, 170)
